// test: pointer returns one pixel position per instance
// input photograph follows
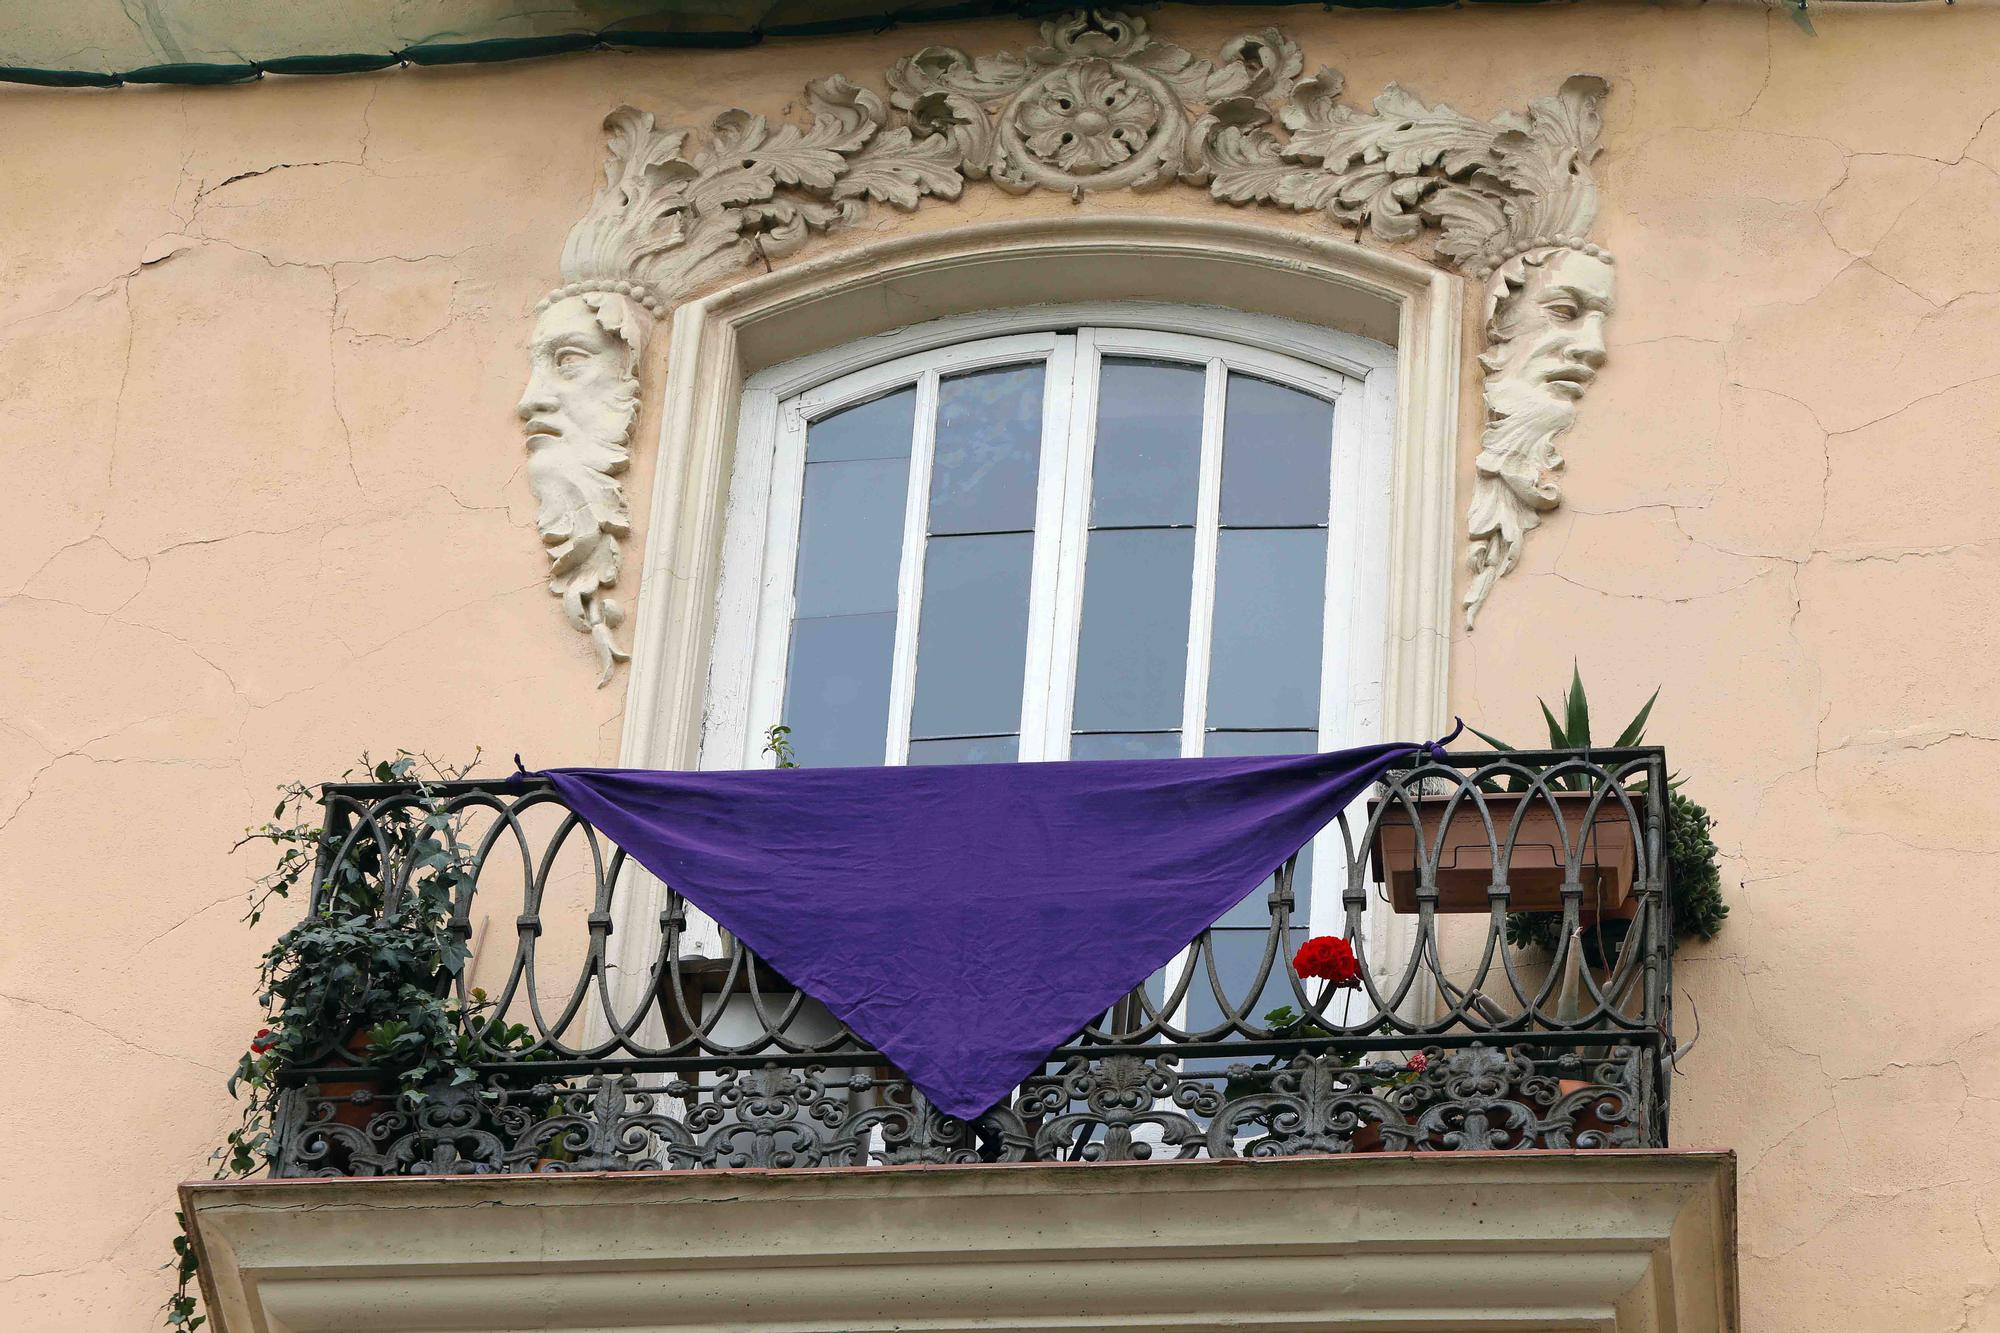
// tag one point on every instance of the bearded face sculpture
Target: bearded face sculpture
(1547, 327)
(1545, 332)
(577, 410)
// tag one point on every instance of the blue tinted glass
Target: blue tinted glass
(851, 537)
(1260, 742)
(1132, 660)
(1146, 466)
(850, 547)
(967, 750)
(1238, 956)
(989, 451)
(837, 689)
(877, 429)
(1126, 745)
(972, 640)
(1277, 455)
(1270, 599)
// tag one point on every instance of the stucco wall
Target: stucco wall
(259, 349)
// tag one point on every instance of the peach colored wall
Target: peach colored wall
(259, 349)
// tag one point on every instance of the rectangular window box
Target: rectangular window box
(1536, 861)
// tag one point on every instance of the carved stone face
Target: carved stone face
(1550, 330)
(580, 386)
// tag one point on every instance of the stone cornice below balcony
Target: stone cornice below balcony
(1547, 1240)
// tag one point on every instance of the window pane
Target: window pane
(972, 640)
(1148, 452)
(877, 429)
(837, 692)
(1256, 909)
(1270, 597)
(967, 750)
(989, 449)
(1238, 955)
(1132, 662)
(1277, 455)
(1126, 745)
(1228, 743)
(851, 536)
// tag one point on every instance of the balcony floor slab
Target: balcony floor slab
(1600, 1240)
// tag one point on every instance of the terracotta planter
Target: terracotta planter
(1535, 867)
(1587, 1120)
(338, 1091)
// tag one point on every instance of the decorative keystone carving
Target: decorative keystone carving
(1101, 105)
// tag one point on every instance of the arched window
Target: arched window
(1099, 538)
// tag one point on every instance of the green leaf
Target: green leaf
(1493, 741)
(1635, 730)
(1578, 709)
(1557, 740)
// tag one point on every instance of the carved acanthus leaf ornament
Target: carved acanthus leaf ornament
(1101, 105)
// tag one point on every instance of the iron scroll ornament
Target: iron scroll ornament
(1100, 105)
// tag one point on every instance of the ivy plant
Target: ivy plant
(370, 974)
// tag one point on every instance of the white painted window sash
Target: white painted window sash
(783, 487)
(910, 575)
(753, 592)
(1217, 361)
(770, 479)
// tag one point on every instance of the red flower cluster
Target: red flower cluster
(263, 1041)
(1329, 957)
(1417, 1063)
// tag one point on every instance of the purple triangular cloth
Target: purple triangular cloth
(968, 919)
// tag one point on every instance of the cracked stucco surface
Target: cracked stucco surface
(259, 350)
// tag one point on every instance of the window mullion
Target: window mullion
(1208, 518)
(910, 573)
(1078, 443)
(1336, 687)
(1201, 617)
(1051, 489)
(779, 579)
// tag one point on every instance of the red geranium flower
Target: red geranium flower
(1329, 957)
(1417, 1063)
(263, 1041)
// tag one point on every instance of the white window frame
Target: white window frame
(718, 342)
(759, 553)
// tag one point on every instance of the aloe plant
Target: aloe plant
(1573, 731)
(1690, 850)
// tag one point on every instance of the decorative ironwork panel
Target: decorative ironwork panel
(1523, 1003)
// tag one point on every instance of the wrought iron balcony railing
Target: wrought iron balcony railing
(1510, 913)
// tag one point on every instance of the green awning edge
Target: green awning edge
(494, 50)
